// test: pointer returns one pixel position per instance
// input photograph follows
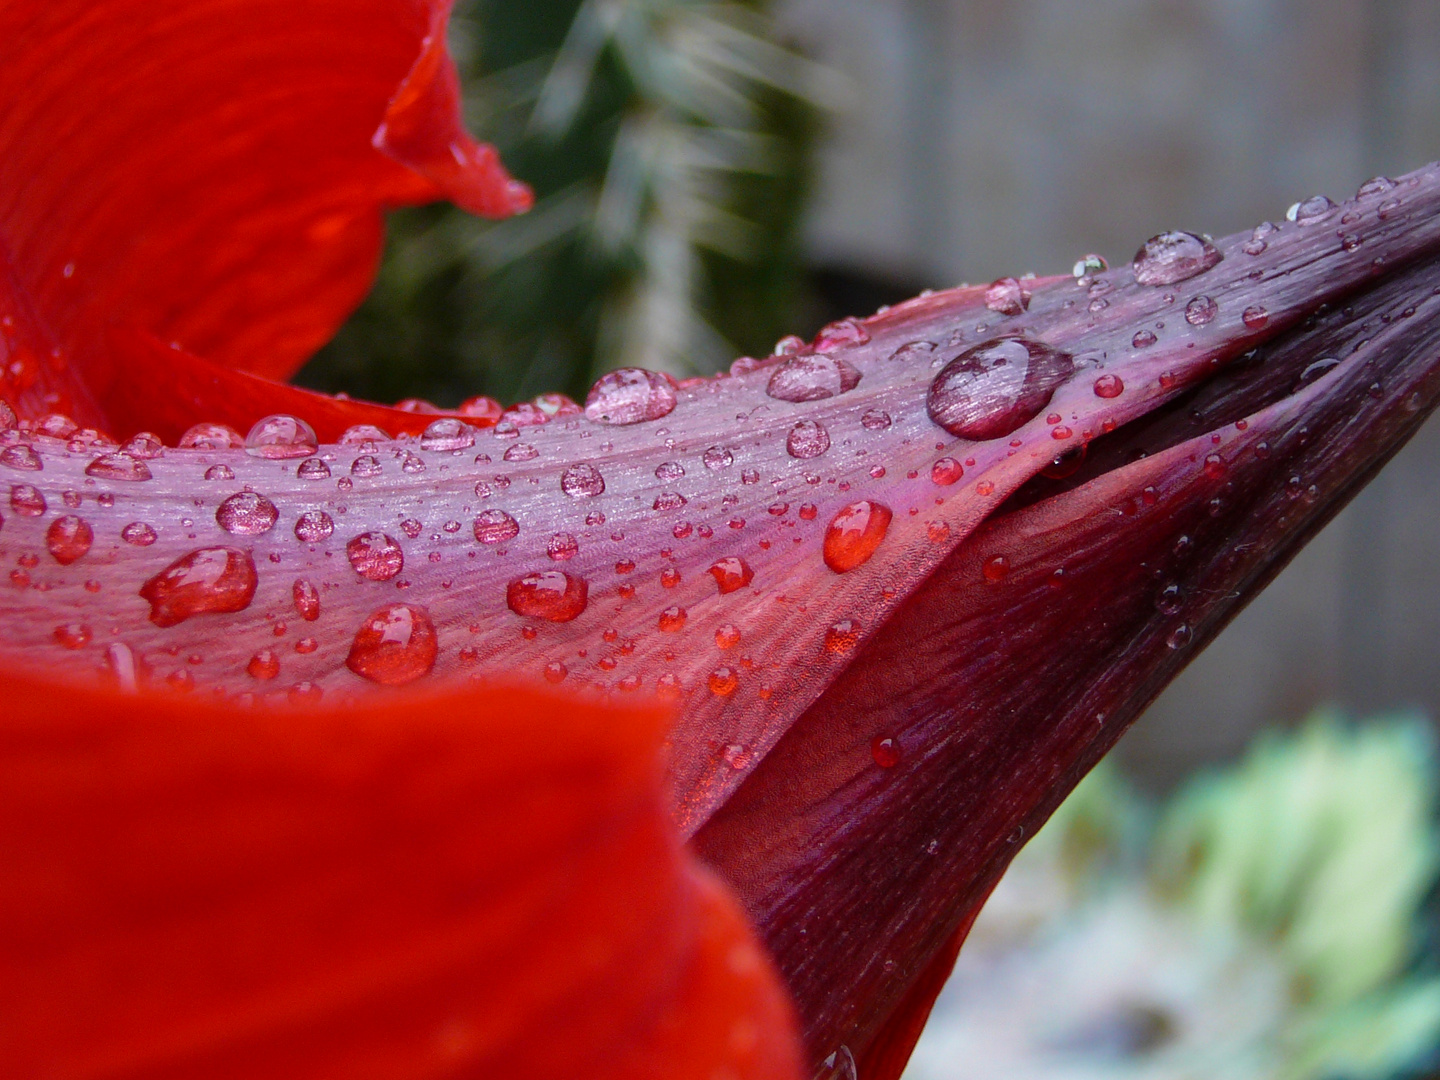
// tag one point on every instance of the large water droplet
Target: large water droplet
(21, 456)
(211, 437)
(118, 467)
(247, 513)
(1172, 257)
(375, 556)
(212, 580)
(1007, 296)
(394, 646)
(313, 526)
(630, 396)
(280, 438)
(549, 594)
(812, 378)
(854, 533)
(807, 439)
(448, 433)
(990, 390)
(495, 527)
(68, 538)
(731, 573)
(582, 481)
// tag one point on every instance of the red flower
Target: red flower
(901, 586)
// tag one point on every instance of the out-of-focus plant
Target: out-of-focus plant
(668, 143)
(1266, 925)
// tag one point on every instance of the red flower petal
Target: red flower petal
(204, 170)
(480, 884)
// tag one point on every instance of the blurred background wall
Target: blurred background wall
(993, 138)
(696, 206)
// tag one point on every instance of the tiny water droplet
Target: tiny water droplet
(280, 438)
(875, 420)
(365, 467)
(1170, 600)
(841, 332)
(1007, 296)
(1376, 186)
(1310, 210)
(247, 513)
(1201, 310)
(727, 636)
(548, 594)
(307, 600)
(946, 471)
(992, 389)
(1179, 637)
(72, 635)
(264, 665)
(562, 547)
(394, 646)
(495, 527)
(669, 500)
(1255, 317)
(312, 468)
(1109, 386)
(672, 619)
(1172, 257)
(669, 470)
(138, 533)
(723, 681)
(886, 751)
(27, 500)
(717, 457)
(842, 637)
(1143, 339)
(996, 568)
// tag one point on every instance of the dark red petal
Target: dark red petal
(208, 170)
(1002, 691)
(479, 884)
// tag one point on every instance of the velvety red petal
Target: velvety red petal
(208, 170)
(482, 884)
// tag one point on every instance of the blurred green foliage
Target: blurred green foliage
(669, 145)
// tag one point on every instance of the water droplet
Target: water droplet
(1376, 186)
(247, 513)
(1255, 317)
(669, 470)
(375, 556)
(211, 437)
(447, 433)
(812, 378)
(946, 471)
(990, 390)
(996, 569)
(854, 533)
(118, 467)
(138, 533)
(1143, 339)
(842, 637)
(1109, 386)
(669, 500)
(723, 681)
(562, 547)
(27, 500)
(307, 600)
(582, 481)
(495, 527)
(1007, 296)
(1179, 637)
(672, 619)
(145, 445)
(1170, 599)
(22, 457)
(310, 469)
(875, 420)
(411, 528)
(360, 434)
(1172, 257)
(630, 396)
(549, 594)
(68, 538)
(841, 332)
(1317, 370)
(394, 646)
(211, 580)
(1312, 209)
(938, 532)
(313, 526)
(808, 511)
(727, 636)
(731, 573)
(264, 665)
(72, 635)
(223, 472)
(555, 672)
(281, 438)
(717, 457)
(807, 439)
(886, 751)
(365, 467)
(1089, 265)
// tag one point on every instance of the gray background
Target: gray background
(986, 138)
